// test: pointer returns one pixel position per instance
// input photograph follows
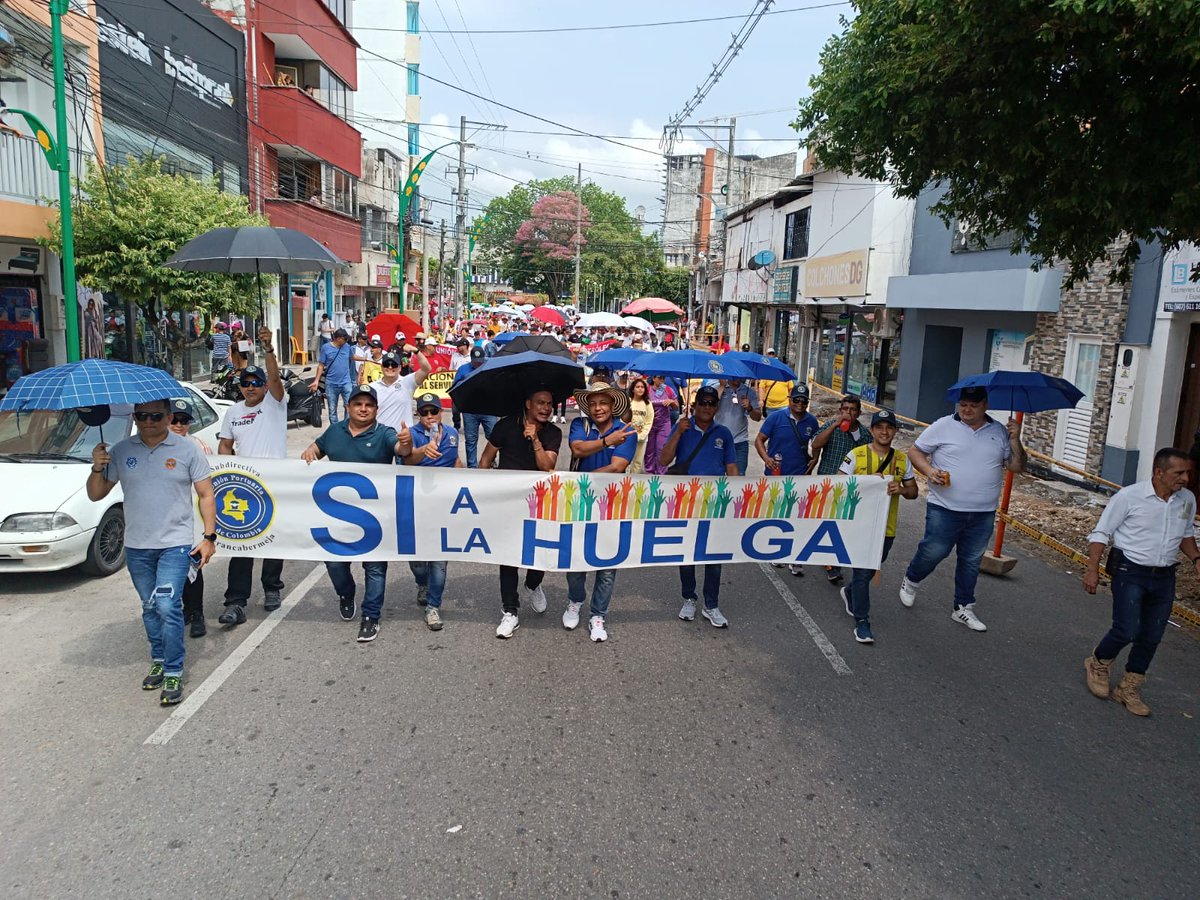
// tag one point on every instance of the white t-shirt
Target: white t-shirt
(459, 359)
(974, 458)
(396, 400)
(257, 431)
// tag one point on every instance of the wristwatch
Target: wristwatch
(211, 538)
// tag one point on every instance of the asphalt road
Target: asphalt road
(676, 760)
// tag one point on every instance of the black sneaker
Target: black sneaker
(199, 629)
(233, 615)
(271, 601)
(368, 630)
(172, 690)
(154, 680)
(834, 576)
(346, 608)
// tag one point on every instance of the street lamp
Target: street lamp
(57, 153)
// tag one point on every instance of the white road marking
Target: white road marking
(196, 699)
(814, 630)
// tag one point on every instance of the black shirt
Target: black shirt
(516, 451)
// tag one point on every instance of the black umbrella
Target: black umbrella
(253, 249)
(536, 343)
(501, 384)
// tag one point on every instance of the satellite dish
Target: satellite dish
(762, 259)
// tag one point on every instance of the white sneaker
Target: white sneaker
(598, 632)
(908, 592)
(508, 624)
(846, 599)
(571, 616)
(798, 571)
(714, 616)
(687, 612)
(537, 599)
(965, 615)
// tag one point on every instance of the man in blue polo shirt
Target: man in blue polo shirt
(336, 364)
(360, 438)
(436, 445)
(472, 422)
(602, 443)
(702, 447)
(782, 443)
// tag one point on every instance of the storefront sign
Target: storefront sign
(784, 279)
(839, 372)
(841, 275)
(383, 276)
(1179, 292)
(1010, 351)
(560, 521)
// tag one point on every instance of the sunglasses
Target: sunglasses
(706, 402)
(148, 417)
(181, 420)
(254, 383)
(389, 365)
(430, 411)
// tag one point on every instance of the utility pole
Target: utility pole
(578, 229)
(425, 281)
(441, 287)
(460, 219)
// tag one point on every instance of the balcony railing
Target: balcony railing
(24, 173)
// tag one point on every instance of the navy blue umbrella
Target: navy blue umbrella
(1026, 392)
(500, 386)
(765, 368)
(505, 336)
(689, 364)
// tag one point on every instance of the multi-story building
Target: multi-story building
(31, 289)
(374, 281)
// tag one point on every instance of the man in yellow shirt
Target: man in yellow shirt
(880, 460)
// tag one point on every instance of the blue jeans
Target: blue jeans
(430, 575)
(472, 422)
(1141, 606)
(712, 584)
(741, 453)
(945, 530)
(159, 577)
(376, 577)
(859, 589)
(602, 589)
(333, 393)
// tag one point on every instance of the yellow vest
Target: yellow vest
(867, 463)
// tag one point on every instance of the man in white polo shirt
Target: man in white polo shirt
(964, 456)
(395, 391)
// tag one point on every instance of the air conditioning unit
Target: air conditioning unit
(887, 324)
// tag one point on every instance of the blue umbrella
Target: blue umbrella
(505, 336)
(501, 384)
(91, 382)
(765, 368)
(689, 364)
(614, 358)
(1025, 392)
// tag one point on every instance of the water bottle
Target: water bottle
(778, 460)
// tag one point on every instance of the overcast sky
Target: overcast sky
(618, 82)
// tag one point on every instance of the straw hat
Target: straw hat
(620, 401)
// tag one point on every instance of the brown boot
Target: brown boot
(1129, 694)
(1097, 676)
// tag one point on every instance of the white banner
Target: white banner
(559, 521)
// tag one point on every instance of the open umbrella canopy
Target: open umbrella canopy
(639, 323)
(253, 250)
(764, 367)
(536, 343)
(90, 382)
(600, 320)
(689, 364)
(547, 315)
(505, 336)
(653, 308)
(1026, 392)
(499, 387)
(615, 359)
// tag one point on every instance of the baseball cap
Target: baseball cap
(220, 326)
(389, 359)
(419, 336)
(427, 400)
(181, 408)
(799, 392)
(770, 351)
(708, 391)
(461, 342)
(252, 372)
(476, 353)
(886, 417)
(745, 348)
(376, 342)
(973, 394)
(364, 390)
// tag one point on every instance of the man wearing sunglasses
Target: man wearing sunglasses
(703, 447)
(255, 427)
(433, 444)
(158, 472)
(395, 390)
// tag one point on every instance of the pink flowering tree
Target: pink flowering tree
(547, 239)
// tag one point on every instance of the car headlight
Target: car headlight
(25, 522)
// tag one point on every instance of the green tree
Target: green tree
(1067, 122)
(616, 253)
(130, 218)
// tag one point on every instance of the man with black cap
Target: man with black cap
(782, 443)
(702, 447)
(370, 368)
(255, 427)
(433, 444)
(830, 445)
(360, 438)
(964, 456)
(878, 459)
(459, 358)
(395, 388)
(601, 442)
(472, 422)
(335, 363)
(526, 442)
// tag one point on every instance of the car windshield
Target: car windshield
(54, 435)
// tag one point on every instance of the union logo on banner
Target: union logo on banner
(245, 508)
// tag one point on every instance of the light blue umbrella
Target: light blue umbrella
(765, 368)
(91, 382)
(615, 358)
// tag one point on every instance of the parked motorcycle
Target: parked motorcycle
(224, 386)
(303, 405)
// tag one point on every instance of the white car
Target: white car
(47, 522)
